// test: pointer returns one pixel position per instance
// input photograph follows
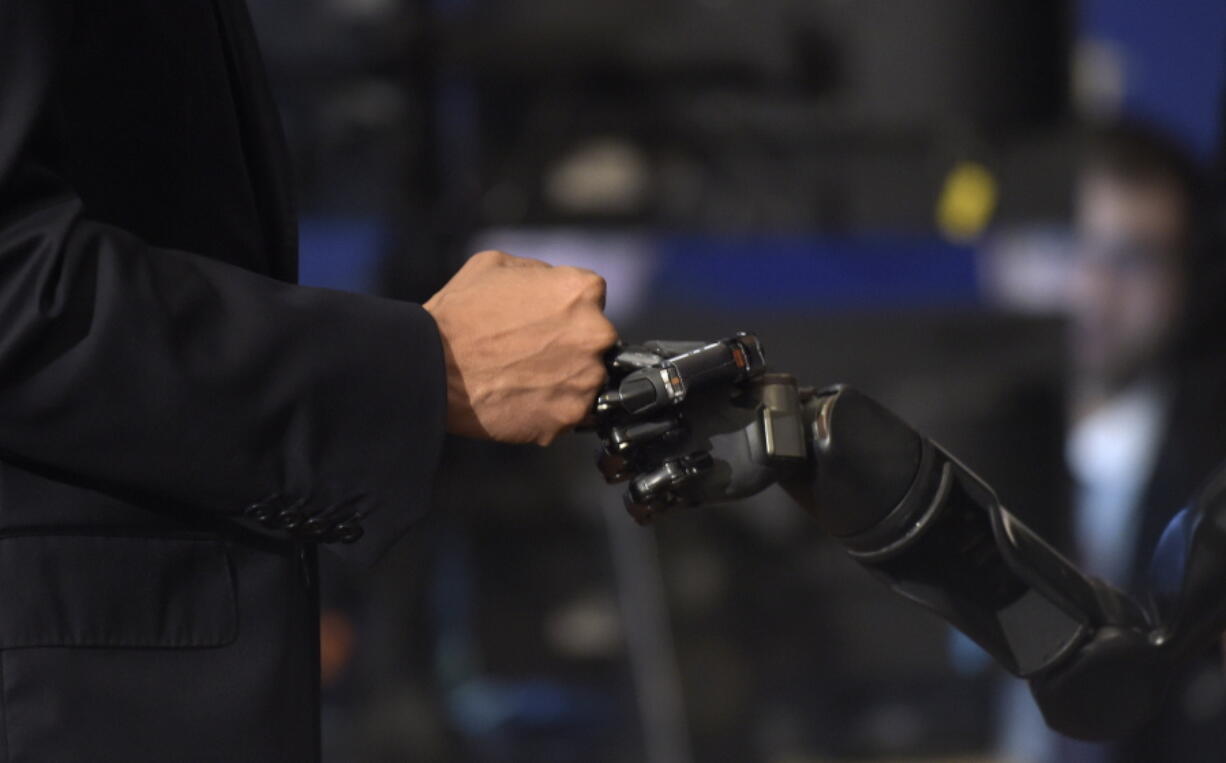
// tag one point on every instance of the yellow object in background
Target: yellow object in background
(967, 201)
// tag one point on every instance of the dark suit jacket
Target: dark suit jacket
(1191, 728)
(179, 426)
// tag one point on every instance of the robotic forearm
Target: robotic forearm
(687, 424)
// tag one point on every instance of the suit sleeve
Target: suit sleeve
(186, 380)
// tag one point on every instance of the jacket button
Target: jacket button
(261, 514)
(315, 527)
(262, 509)
(290, 519)
(349, 532)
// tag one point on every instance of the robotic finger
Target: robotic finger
(660, 375)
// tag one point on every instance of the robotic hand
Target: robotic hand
(692, 423)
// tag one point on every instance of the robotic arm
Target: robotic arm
(692, 423)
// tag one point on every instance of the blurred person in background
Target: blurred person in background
(1141, 263)
(180, 425)
(1147, 402)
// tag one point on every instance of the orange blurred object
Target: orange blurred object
(336, 640)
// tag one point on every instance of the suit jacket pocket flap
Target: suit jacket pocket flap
(94, 591)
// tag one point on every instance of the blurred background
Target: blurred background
(1000, 218)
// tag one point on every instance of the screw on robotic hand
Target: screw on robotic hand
(659, 490)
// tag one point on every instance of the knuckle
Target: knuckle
(566, 274)
(565, 416)
(589, 278)
(521, 262)
(606, 335)
(600, 335)
(577, 278)
(579, 414)
(488, 257)
(575, 411)
(594, 378)
(596, 288)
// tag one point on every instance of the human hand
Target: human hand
(524, 345)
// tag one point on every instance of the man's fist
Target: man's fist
(524, 343)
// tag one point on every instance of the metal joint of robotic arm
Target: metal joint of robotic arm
(687, 423)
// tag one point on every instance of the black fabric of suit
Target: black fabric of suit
(172, 411)
(1191, 728)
